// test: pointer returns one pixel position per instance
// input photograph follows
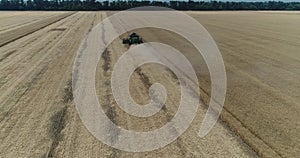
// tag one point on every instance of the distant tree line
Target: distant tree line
(122, 5)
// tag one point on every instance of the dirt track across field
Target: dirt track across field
(261, 53)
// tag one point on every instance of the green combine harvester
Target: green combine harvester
(133, 39)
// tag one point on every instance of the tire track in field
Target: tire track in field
(46, 98)
(147, 83)
(60, 118)
(110, 110)
(58, 121)
(22, 23)
(32, 70)
(76, 139)
(19, 80)
(10, 36)
(35, 40)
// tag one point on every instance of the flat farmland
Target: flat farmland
(261, 54)
(260, 118)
